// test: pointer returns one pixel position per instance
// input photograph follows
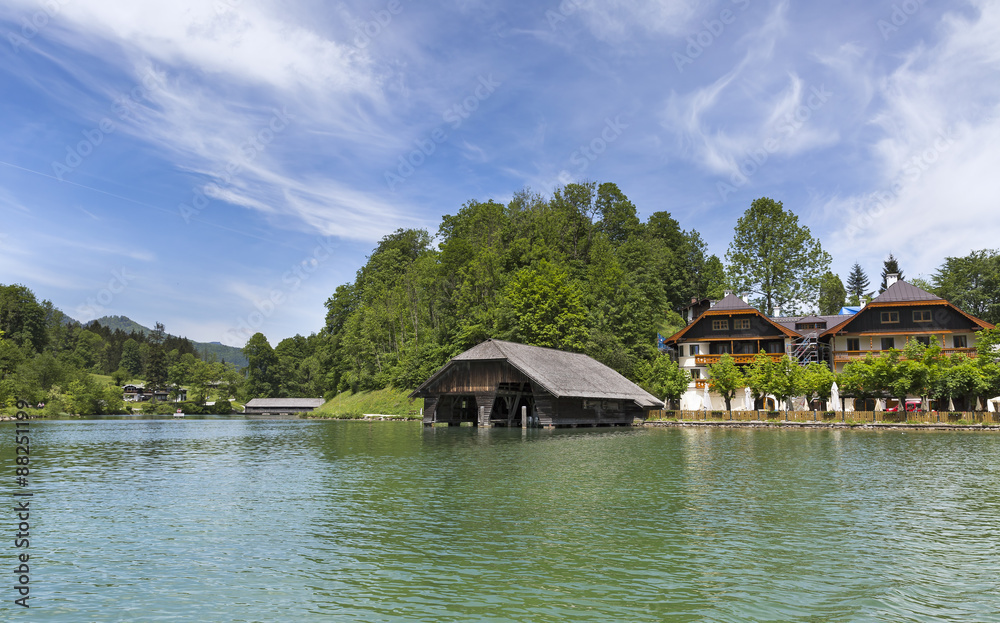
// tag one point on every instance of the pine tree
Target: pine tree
(890, 266)
(857, 284)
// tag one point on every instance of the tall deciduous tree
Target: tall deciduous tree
(665, 379)
(889, 266)
(775, 260)
(726, 379)
(545, 309)
(857, 284)
(760, 374)
(131, 359)
(714, 278)
(262, 368)
(972, 283)
(832, 294)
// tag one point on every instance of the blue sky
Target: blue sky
(221, 166)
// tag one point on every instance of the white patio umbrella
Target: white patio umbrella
(879, 405)
(747, 399)
(951, 404)
(834, 397)
(706, 399)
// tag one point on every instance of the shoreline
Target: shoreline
(821, 425)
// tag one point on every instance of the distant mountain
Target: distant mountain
(229, 354)
(206, 350)
(126, 324)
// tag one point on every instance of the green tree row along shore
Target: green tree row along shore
(916, 370)
(577, 271)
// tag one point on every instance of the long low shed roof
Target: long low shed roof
(558, 372)
(286, 403)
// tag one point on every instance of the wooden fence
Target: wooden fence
(887, 417)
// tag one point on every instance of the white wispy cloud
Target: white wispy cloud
(196, 65)
(938, 120)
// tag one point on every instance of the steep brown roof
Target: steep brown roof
(558, 372)
(731, 302)
(902, 292)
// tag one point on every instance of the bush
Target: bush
(829, 415)
(718, 413)
(222, 407)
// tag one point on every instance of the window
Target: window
(695, 349)
(720, 325)
(888, 342)
(741, 324)
(775, 347)
(810, 325)
(853, 343)
(696, 373)
(923, 339)
(960, 341)
(890, 316)
(680, 350)
(922, 315)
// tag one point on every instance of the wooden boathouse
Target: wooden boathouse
(499, 383)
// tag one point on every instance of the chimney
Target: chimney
(891, 278)
(728, 292)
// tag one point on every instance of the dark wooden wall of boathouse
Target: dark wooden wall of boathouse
(457, 395)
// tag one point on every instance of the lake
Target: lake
(285, 520)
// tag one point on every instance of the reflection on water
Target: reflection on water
(240, 520)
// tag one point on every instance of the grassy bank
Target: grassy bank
(388, 401)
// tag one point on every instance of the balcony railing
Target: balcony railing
(854, 355)
(707, 360)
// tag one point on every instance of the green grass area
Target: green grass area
(388, 401)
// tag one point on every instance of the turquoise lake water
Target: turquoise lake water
(286, 520)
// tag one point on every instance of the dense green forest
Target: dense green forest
(578, 271)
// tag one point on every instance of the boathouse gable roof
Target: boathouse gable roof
(561, 374)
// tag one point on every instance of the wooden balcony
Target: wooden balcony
(702, 383)
(855, 355)
(707, 360)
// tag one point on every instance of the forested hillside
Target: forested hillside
(207, 351)
(578, 271)
(47, 358)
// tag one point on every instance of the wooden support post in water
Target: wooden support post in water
(524, 416)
